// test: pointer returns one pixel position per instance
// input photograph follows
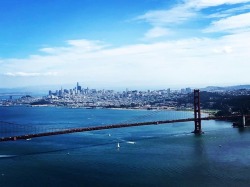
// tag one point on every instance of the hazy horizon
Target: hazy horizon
(46, 88)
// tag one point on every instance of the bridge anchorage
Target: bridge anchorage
(197, 113)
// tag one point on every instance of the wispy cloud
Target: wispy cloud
(186, 10)
(230, 24)
(81, 46)
(230, 12)
(201, 4)
(28, 74)
(196, 59)
(177, 14)
(157, 32)
(190, 10)
(158, 63)
(225, 49)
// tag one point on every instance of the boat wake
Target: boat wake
(6, 156)
(130, 142)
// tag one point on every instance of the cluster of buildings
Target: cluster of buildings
(135, 99)
(92, 98)
(78, 90)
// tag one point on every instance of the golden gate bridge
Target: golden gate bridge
(197, 124)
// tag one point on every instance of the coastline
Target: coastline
(207, 111)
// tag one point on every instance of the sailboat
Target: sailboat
(118, 145)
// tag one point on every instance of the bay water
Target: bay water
(157, 155)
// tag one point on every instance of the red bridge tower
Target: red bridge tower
(197, 113)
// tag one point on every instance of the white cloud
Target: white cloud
(230, 24)
(225, 49)
(157, 32)
(81, 46)
(183, 61)
(201, 4)
(230, 12)
(52, 50)
(175, 19)
(186, 10)
(192, 60)
(176, 15)
(86, 45)
(28, 74)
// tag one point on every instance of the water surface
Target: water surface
(157, 155)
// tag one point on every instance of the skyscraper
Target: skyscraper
(78, 88)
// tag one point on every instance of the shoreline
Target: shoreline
(209, 112)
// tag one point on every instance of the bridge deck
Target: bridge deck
(113, 126)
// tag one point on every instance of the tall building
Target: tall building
(183, 91)
(188, 90)
(78, 88)
(168, 91)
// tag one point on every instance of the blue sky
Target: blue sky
(125, 43)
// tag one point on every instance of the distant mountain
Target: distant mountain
(226, 88)
(13, 91)
(23, 91)
(41, 89)
(212, 88)
(238, 87)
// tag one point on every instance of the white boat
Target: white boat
(131, 142)
(118, 145)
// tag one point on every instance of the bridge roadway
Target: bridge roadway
(113, 126)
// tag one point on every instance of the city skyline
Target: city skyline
(136, 44)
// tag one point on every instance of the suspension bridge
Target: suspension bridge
(196, 119)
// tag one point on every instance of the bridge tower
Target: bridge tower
(197, 113)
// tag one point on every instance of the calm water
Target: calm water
(164, 155)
